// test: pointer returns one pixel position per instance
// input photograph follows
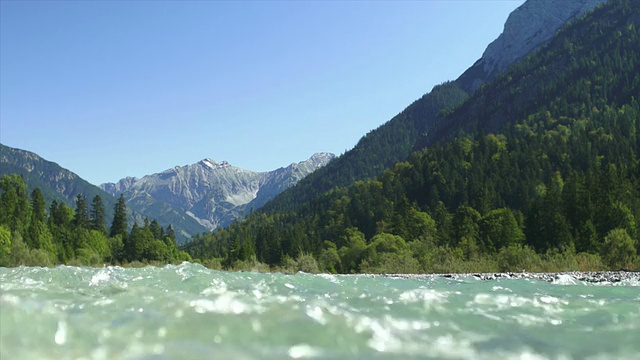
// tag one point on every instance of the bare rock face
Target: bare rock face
(213, 193)
(529, 26)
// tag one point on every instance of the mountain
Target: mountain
(533, 23)
(527, 28)
(539, 165)
(62, 185)
(213, 194)
(55, 182)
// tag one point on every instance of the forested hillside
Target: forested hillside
(55, 182)
(538, 170)
(376, 151)
(529, 26)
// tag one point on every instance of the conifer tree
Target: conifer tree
(38, 234)
(38, 206)
(97, 215)
(14, 203)
(119, 224)
(81, 218)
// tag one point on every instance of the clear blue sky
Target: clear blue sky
(110, 89)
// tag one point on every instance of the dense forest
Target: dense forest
(31, 235)
(537, 170)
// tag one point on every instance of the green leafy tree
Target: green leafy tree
(499, 229)
(329, 258)
(5, 246)
(619, 249)
(466, 224)
(351, 253)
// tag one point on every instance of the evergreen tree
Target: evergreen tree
(38, 235)
(97, 215)
(171, 234)
(38, 206)
(119, 224)
(15, 208)
(81, 219)
(156, 230)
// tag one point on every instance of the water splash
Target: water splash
(188, 311)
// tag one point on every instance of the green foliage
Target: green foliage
(392, 263)
(619, 249)
(65, 236)
(22, 255)
(15, 209)
(81, 218)
(517, 258)
(119, 224)
(5, 245)
(499, 229)
(304, 263)
(352, 250)
(98, 215)
(251, 264)
(329, 259)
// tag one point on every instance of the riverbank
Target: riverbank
(557, 277)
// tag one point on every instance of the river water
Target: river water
(189, 312)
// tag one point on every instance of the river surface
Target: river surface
(189, 312)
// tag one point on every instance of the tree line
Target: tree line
(32, 235)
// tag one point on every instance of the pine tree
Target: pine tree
(15, 208)
(156, 229)
(38, 206)
(97, 215)
(81, 218)
(119, 224)
(38, 234)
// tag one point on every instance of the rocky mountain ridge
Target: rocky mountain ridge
(213, 193)
(530, 25)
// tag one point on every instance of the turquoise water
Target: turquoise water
(190, 312)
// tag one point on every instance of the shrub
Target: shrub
(618, 250)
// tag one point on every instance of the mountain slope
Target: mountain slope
(213, 194)
(544, 78)
(62, 185)
(559, 174)
(55, 182)
(530, 26)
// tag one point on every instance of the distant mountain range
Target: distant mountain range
(62, 185)
(193, 199)
(212, 193)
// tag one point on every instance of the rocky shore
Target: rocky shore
(567, 278)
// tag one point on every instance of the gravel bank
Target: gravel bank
(631, 277)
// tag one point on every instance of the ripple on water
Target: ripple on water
(187, 311)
